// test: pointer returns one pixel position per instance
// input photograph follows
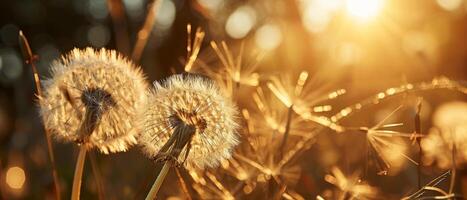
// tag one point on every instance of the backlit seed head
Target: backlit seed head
(195, 102)
(93, 98)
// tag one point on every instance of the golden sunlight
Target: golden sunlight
(363, 10)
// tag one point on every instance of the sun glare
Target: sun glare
(363, 10)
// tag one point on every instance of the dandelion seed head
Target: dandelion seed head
(303, 98)
(100, 85)
(270, 117)
(351, 185)
(390, 150)
(196, 101)
(388, 146)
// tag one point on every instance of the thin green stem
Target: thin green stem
(78, 172)
(158, 183)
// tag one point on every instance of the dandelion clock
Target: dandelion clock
(187, 121)
(92, 99)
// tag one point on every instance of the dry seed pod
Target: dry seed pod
(93, 97)
(187, 119)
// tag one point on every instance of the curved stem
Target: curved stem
(78, 173)
(158, 183)
(437, 83)
(30, 58)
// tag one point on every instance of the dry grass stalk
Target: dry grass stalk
(429, 186)
(436, 83)
(418, 130)
(30, 58)
(193, 48)
(145, 31)
(117, 14)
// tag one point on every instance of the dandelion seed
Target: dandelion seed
(350, 185)
(235, 70)
(264, 166)
(193, 48)
(388, 146)
(92, 98)
(196, 103)
(303, 99)
(271, 117)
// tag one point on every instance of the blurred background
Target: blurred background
(363, 46)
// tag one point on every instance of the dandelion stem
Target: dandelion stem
(418, 130)
(78, 172)
(367, 157)
(158, 183)
(287, 130)
(30, 58)
(180, 138)
(143, 34)
(453, 171)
